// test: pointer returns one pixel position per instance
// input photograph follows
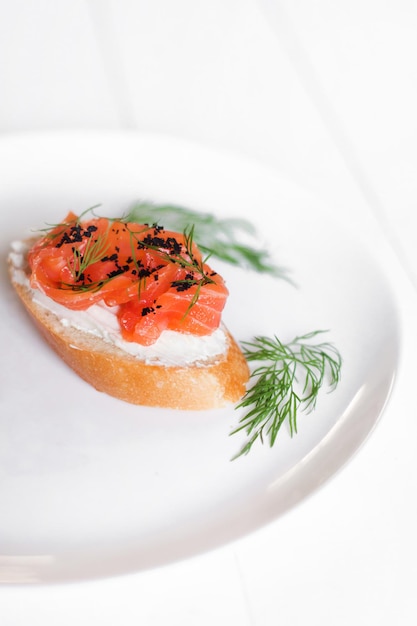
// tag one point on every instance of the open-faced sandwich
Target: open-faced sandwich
(134, 309)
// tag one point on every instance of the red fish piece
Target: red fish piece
(156, 277)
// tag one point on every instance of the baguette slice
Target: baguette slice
(206, 385)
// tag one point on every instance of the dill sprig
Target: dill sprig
(193, 265)
(94, 250)
(289, 380)
(220, 238)
(51, 232)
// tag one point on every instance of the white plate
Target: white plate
(90, 486)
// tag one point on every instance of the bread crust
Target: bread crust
(109, 369)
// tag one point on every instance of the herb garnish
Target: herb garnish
(93, 252)
(289, 379)
(220, 238)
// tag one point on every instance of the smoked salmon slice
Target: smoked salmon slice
(156, 278)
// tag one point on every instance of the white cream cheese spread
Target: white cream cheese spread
(171, 348)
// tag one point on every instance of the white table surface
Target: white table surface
(326, 93)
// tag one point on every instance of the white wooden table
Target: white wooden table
(325, 92)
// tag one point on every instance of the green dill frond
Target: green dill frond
(94, 251)
(288, 380)
(219, 238)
